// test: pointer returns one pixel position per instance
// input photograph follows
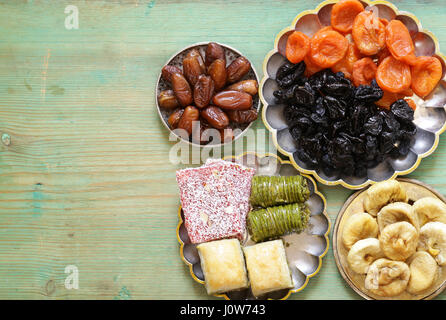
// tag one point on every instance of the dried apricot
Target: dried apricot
(311, 67)
(411, 103)
(343, 14)
(327, 48)
(393, 75)
(346, 64)
(426, 73)
(388, 99)
(297, 47)
(364, 72)
(399, 42)
(369, 33)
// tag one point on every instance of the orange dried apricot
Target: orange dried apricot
(344, 13)
(297, 47)
(426, 73)
(399, 42)
(364, 71)
(393, 75)
(327, 48)
(346, 64)
(369, 33)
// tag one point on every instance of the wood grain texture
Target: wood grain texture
(85, 178)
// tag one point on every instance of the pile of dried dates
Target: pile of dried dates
(209, 92)
(337, 127)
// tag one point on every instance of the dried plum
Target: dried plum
(337, 127)
(402, 111)
(371, 93)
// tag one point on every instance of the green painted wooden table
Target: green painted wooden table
(84, 173)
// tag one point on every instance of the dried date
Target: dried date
(248, 86)
(167, 100)
(242, 116)
(168, 71)
(214, 51)
(203, 91)
(174, 118)
(192, 69)
(182, 89)
(215, 117)
(217, 71)
(237, 69)
(189, 116)
(232, 100)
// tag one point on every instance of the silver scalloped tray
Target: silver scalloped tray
(304, 251)
(430, 115)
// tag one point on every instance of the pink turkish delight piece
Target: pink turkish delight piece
(215, 200)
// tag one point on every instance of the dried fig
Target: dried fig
(214, 51)
(217, 71)
(190, 115)
(203, 91)
(249, 86)
(182, 89)
(174, 118)
(167, 100)
(168, 71)
(237, 69)
(232, 100)
(215, 117)
(242, 116)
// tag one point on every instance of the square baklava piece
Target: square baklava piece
(223, 266)
(267, 267)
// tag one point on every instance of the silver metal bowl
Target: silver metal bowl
(430, 115)
(177, 60)
(304, 251)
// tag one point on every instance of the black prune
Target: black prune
(402, 111)
(304, 95)
(371, 93)
(338, 128)
(374, 125)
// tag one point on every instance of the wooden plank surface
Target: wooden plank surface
(85, 177)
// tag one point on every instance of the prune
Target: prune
(402, 111)
(288, 69)
(304, 95)
(232, 100)
(374, 125)
(336, 108)
(289, 74)
(337, 127)
(370, 93)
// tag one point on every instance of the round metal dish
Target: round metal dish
(430, 115)
(415, 190)
(304, 251)
(177, 60)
